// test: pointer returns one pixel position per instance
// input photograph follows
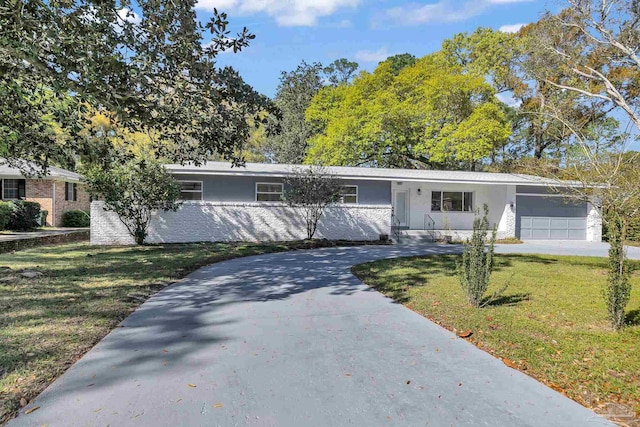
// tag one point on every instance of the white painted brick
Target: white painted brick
(594, 224)
(220, 221)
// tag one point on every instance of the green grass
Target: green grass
(551, 322)
(49, 322)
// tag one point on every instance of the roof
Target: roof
(366, 173)
(31, 170)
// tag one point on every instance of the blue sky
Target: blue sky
(289, 31)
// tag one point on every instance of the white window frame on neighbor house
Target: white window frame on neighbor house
(473, 197)
(191, 181)
(70, 192)
(344, 194)
(281, 192)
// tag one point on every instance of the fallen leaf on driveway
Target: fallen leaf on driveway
(30, 410)
(191, 385)
(218, 405)
(509, 363)
(347, 375)
(408, 382)
(465, 334)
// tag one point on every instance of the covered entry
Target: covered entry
(550, 218)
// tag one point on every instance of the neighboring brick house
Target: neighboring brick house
(59, 191)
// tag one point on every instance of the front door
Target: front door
(401, 207)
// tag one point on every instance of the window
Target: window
(269, 192)
(190, 190)
(451, 201)
(70, 191)
(13, 189)
(349, 194)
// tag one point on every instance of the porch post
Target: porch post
(507, 225)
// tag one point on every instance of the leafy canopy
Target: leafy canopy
(429, 113)
(154, 69)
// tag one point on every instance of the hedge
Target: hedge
(25, 216)
(76, 218)
(6, 208)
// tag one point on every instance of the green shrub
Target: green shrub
(6, 208)
(76, 218)
(618, 289)
(25, 216)
(476, 266)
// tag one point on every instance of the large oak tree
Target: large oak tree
(151, 63)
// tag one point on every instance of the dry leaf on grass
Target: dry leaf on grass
(465, 334)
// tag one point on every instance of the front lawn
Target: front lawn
(48, 322)
(550, 323)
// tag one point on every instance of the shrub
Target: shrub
(476, 266)
(618, 289)
(25, 216)
(6, 208)
(76, 218)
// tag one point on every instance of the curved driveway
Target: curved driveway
(292, 339)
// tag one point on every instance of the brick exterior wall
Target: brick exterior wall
(83, 203)
(225, 221)
(42, 191)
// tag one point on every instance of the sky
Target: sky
(364, 31)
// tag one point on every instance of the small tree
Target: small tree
(133, 190)
(618, 289)
(477, 265)
(311, 190)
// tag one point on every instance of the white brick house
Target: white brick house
(222, 203)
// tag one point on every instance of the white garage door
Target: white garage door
(550, 218)
(551, 228)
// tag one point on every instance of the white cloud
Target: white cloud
(129, 15)
(442, 11)
(372, 56)
(287, 13)
(513, 28)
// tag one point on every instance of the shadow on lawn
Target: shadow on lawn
(506, 300)
(632, 318)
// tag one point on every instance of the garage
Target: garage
(550, 218)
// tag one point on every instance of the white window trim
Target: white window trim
(472, 211)
(201, 191)
(281, 193)
(357, 195)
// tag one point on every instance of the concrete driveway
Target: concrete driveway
(292, 339)
(565, 248)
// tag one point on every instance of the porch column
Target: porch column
(594, 224)
(507, 225)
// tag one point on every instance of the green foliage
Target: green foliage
(477, 265)
(340, 71)
(400, 61)
(25, 216)
(76, 218)
(291, 132)
(133, 190)
(430, 113)
(6, 208)
(154, 69)
(618, 289)
(311, 190)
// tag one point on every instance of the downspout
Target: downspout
(53, 204)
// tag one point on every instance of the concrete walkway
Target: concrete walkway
(292, 339)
